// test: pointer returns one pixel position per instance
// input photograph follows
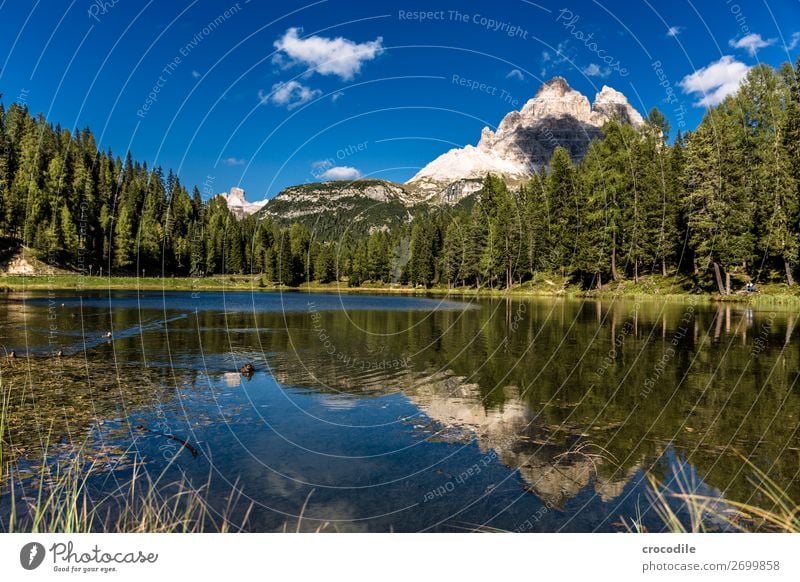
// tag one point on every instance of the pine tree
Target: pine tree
(676, 188)
(300, 238)
(453, 252)
(722, 209)
(503, 248)
(358, 263)
(421, 264)
(664, 204)
(762, 98)
(564, 212)
(594, 239)
(123, 240)
(477, 230)
(325, 265)
(68, 233)
(378, 256)
(151, 226)
(535, 217)
(271, 265)
(233, 254)
(285, 265)
(5, 171)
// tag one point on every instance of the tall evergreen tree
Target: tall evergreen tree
(563, 204)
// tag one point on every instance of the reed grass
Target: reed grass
(61, 498)
(777, 513)
(65, 503)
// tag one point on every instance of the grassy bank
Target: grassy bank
(72, 282)
(674, 287)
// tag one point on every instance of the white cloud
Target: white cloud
(752, 42)
(291, 94)
(552, 62)
(715, 81)
(340, 173)
(335, 96)
(234, 162)
(674, 31)
(196, 74)
(794, 42)
(594, 70)
(545, 59)
(326, 56)
(515, 74)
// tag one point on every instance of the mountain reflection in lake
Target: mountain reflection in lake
(409, 414)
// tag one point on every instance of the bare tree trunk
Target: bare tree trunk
(599, 280)
(636, 271)
(718, 277)
(727, 283)
(663, 266)
(789, 277)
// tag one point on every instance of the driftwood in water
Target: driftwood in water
(189, 447)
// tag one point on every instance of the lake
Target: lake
(385, 413)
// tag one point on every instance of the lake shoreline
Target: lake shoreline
(655, 288)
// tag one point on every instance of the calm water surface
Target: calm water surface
(409, 414)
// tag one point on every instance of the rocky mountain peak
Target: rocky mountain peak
(239, 205)
(555, 98)
(557, 115)
(610, 95)
(557, 85)
(609, 103)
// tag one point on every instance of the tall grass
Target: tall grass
(64, 497)
(65, 503)
(4, 399)
(778, 513)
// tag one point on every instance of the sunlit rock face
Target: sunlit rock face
(525, 140)
(239, 205)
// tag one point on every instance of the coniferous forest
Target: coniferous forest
(722, 201)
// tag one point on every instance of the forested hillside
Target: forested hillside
(719, 202)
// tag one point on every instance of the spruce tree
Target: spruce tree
(564, 213)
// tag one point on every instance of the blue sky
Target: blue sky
(265, 94)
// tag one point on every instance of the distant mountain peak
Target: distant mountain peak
(235, 199)
(610, 94)
(609, 103)
(557, 115)
(555, 85)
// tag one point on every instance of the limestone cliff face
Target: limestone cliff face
(524, 140)
(239, 205)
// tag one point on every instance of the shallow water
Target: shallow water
(408, 414)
